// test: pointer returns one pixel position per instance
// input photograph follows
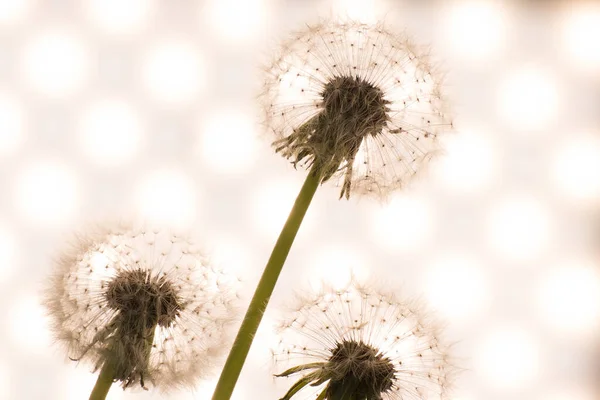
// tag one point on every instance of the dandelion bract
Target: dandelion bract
(361, 344)
(357, 103)
(144, 300)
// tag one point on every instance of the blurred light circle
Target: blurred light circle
(519, 227)
(456, 287)
(173, 72)
(404, 224)
(228, 142)
(271, 205)
(581, 30)
(475, 29)
(266, 336)
(234, 21)
(79, 383)
(336, 266)
(579, 392)
(5, 382)
(28, 325)
(576, 167)
(528, 99)
(468, 164)
(46, 192)
(206, 387)
(508, 358)
(354, 10)
(166, 197)
(11, 125)
(55, 63)
(231, 252)
(119, 16)
(110, 132)
(8, 252)
(569, 298)
(12, 11)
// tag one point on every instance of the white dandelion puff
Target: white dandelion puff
(146, 301)
(357, 103)
(361, 344)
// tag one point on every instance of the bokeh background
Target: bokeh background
(147, 108)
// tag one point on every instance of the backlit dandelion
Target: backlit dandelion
(360, 344)
(357, 103)
(143, 304)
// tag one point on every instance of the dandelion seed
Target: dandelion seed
(357, 103)
(146, 302)
(360, 344)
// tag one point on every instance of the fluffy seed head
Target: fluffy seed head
(357, 103)
(361, 344)
(144, 300)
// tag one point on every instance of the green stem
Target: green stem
(342, 392)
(243, 341)
(105, 380)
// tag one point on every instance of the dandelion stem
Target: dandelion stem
(243, 341)
(105, 380)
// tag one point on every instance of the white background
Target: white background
(147, 108)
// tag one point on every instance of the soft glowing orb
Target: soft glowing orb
(468, 164)
(80, 382)
(581, 30)
(266, 337)
(519, 227)
(228, 142)
(354, 10)
(46, 192)
(405, 224)
(173, 72)
(8, 252)
(576, 168)
(110, 132)
(118, 16)
(271, 204)
(12, 11)
(336, 266)
(475, 29)
(569, 298)
(235, 21)
(5, 382)
(206, 388)
(456, 286)
(509, 358)
(55, 63)
(167, 197)
(28, 325)
(528, 99)
(569, 393)
(11, 125)
(233, 253)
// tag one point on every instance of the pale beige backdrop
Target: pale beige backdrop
(146, 107)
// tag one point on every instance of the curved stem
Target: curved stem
(103, 383)
(243, 341)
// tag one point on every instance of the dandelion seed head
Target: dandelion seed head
(358, 103)
(362, 344)
(146, 300)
